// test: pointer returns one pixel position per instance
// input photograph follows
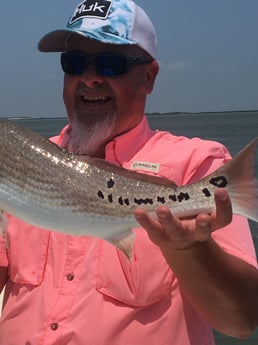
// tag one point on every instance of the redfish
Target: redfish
(45, 186)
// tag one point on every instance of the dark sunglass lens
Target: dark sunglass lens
(73, 64)
(111, 66)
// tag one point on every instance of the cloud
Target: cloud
(231, 66)
(173, 66)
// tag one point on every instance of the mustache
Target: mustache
(98, 89)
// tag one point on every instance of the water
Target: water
(234, 129)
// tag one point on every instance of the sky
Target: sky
(207, 51)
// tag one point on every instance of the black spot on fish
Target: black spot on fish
(123, 202)
(110, 198)
(172, 197)
(100, 194)
(161, 199)
(206, 192)
(183, 196)
(220, 181)
(143, 201)
(110, 183)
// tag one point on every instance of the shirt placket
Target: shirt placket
(76, 252)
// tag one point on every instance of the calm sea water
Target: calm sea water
(234, 129)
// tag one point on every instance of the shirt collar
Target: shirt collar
(122, 148)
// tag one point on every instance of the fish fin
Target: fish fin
(242, 183)
(113, 168)
(124, 242)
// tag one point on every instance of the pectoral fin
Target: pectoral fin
(124, 243)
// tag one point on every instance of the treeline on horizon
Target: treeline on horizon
(16, 117)
(203, 112)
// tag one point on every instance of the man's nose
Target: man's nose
(90, 77)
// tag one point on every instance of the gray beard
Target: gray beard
(87, 136)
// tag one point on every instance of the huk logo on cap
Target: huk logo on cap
(91, 8)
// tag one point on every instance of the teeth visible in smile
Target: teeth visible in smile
(95, 98)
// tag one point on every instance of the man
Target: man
(185, 276)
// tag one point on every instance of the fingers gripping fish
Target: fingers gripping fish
(48, 187)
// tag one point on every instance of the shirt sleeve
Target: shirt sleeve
(236, 239)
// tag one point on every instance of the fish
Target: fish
(51, 188)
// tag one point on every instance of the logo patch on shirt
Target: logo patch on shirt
(91, 8)
(145, 166)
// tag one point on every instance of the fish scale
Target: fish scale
(79, 195)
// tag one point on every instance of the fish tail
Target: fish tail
(242, 184)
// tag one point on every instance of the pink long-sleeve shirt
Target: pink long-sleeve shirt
(66, 290)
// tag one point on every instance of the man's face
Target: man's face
(100, 108)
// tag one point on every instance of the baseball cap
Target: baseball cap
(119, 22)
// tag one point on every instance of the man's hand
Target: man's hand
(221, 287)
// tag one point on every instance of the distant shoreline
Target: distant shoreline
(172, 113)
(203, 112)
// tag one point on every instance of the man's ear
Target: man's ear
(151, 73)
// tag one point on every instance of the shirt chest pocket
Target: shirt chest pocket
(27, 248)
(146, 280)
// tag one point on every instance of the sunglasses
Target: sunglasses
(106, 65)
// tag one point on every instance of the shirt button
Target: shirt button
(70, 277)
(54, 326)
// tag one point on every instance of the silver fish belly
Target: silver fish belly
(48, 187)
